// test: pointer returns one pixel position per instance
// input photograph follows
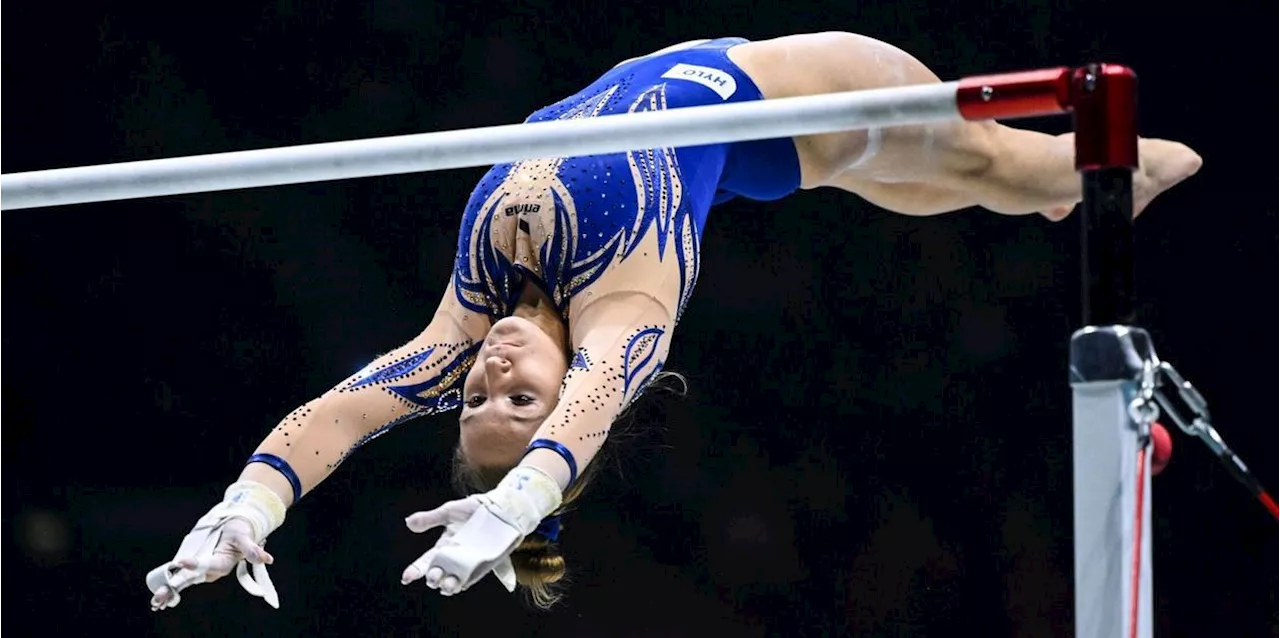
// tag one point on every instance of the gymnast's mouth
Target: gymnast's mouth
(500, 349)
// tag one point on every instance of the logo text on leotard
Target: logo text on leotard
(521, 208)
(719, 81)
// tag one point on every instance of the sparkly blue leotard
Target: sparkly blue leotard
(608, 202)
(564, 224)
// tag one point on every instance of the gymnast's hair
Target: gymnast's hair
(537, 561)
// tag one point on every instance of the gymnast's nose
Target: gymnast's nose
(496, 367)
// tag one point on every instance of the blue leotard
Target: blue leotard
(606, 202)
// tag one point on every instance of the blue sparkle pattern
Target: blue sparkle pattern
(392, 371)
(659, 188)
(580, 360)
(638, 360)
(561, 223)
(442, 392)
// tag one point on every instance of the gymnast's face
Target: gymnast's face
(511, 389)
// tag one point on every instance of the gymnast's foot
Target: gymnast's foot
(1163, 165)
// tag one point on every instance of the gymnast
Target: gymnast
(570, 276)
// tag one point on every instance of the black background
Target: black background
(876, 441)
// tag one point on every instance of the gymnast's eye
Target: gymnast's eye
(475, 401)
(521, 399)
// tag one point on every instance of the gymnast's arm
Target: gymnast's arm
(621, 341)
(421, 377)
(424, 376)
(935, 168)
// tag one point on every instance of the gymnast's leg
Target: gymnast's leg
(933, 168)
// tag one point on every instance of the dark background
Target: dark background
(876, 440)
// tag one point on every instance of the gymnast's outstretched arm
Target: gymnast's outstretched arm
(421, 377)
(935, 168)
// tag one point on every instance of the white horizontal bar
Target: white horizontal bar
(681, 127)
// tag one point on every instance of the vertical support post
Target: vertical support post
(1106, 366)
(1107, 361)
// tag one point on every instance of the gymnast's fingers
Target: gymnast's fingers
(171, 594)
(186, 578)
(433, 577)
(252, 552)
(451, 512)
(418, 568)
(449, 585)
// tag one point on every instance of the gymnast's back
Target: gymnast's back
(583, 228)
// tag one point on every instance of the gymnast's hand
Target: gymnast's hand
(481, 531)
(229, 537)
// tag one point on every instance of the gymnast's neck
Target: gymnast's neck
(535, 306)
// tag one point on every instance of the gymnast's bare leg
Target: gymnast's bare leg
(932, 169)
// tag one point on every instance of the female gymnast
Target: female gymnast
(571, 274)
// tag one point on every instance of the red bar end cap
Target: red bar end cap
(1015, 95)
(1104, 98)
